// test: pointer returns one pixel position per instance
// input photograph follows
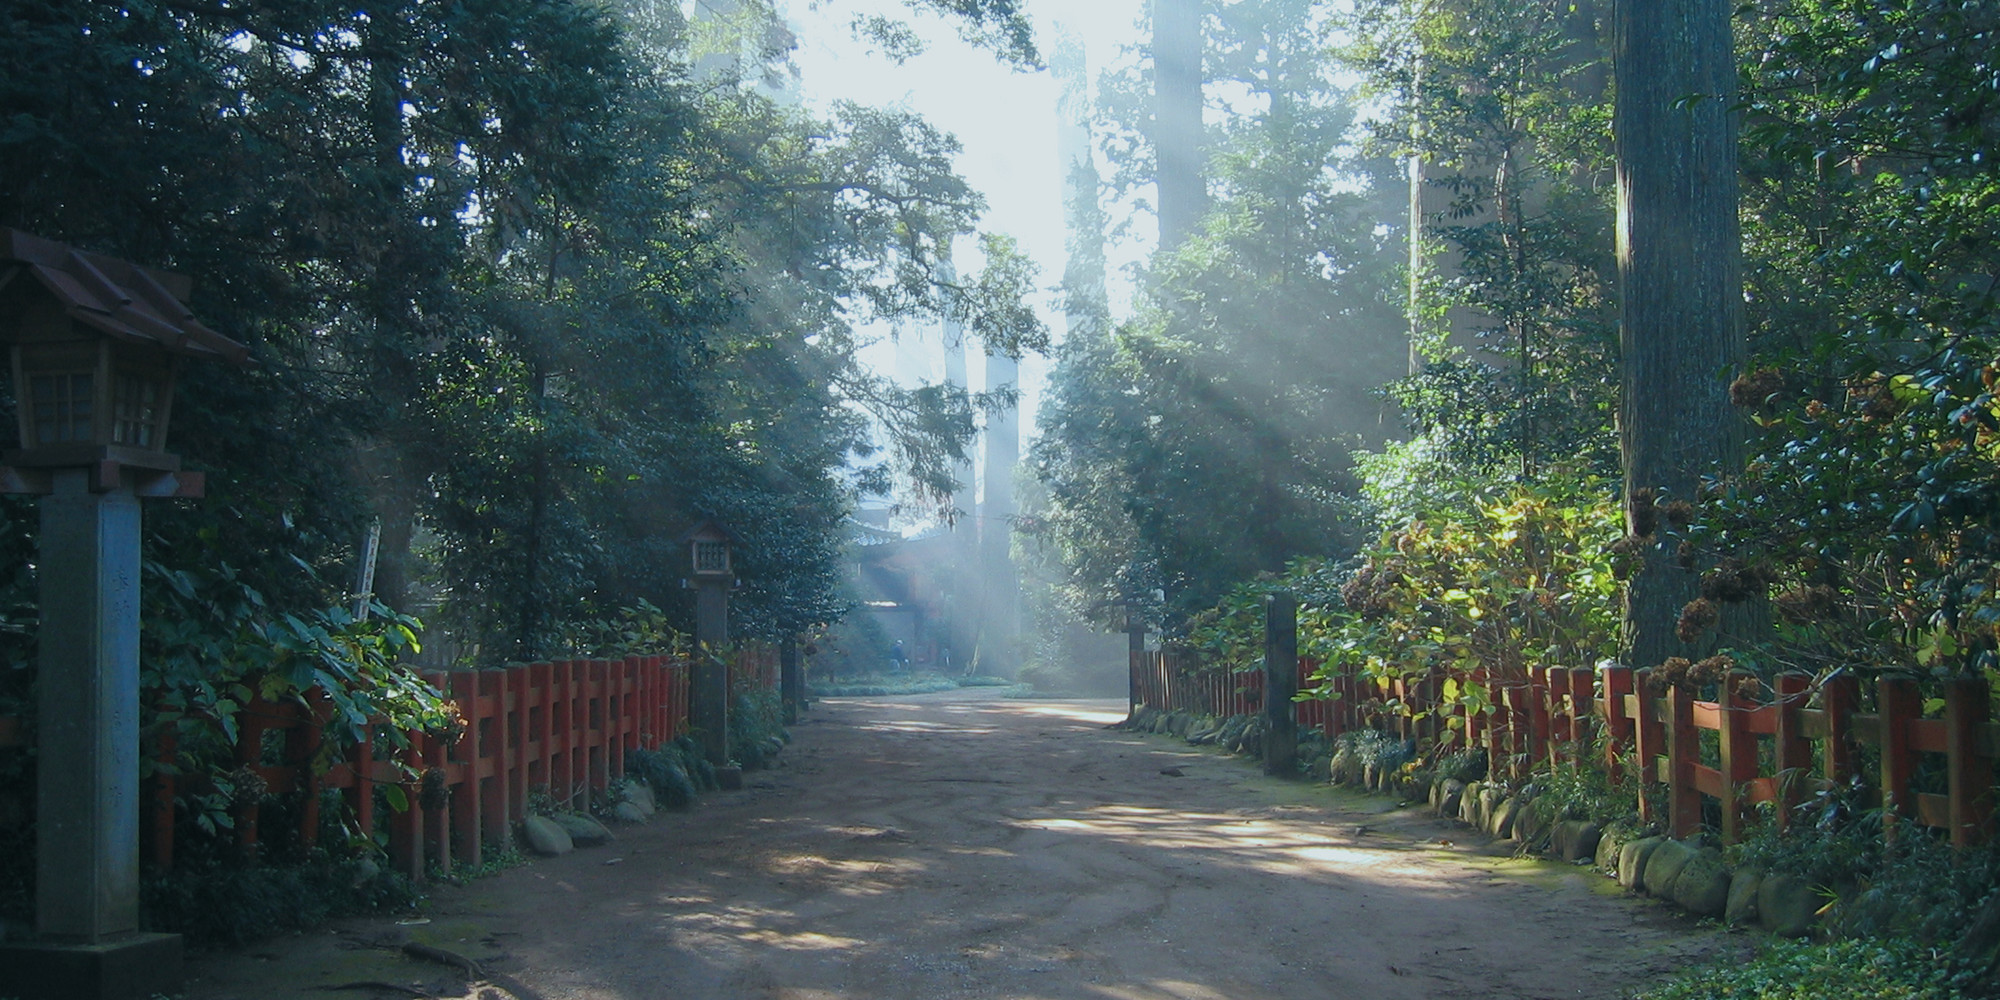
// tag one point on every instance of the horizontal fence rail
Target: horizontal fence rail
(1927, 761)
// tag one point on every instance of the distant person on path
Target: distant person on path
(899, 658)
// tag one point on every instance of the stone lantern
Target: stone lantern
(709, 547)
(93, 345)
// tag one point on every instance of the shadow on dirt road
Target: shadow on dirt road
(960, 845)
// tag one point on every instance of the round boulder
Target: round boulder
(1632, 859)
(1703, 886)
(1787, 905)
(1446, 795)
(1742, 906)
(1664, 867)
(546, 837)
(583, 830)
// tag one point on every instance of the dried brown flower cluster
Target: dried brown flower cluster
(1679, 671)
(1680, 513)
(1877, 401)
(1697, 618)
(1367, 592)
(1628, 556)
(1734, 581)
(1806, 605)
(247, 786)
(435, 789)
(1756, 388)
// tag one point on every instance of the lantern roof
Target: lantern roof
(709, 531)
(116, 297)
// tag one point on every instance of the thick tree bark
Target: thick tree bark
(1177, 130)
(1680, 277)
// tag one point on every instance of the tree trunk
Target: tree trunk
(1680, 277)
(1177, 130)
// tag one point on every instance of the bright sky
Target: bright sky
(1005, 119)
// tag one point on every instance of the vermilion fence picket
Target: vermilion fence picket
(1773, 743)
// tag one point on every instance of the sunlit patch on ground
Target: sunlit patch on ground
(1094, 713)
(911, 726)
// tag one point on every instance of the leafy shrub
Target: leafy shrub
(1580, 789)
(756, 727)
(1841, 970)
(1462, 765)
(665, 771)
(880, 686)
(236, 904)
(981, 681)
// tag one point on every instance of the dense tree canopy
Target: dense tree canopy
(1207, 438)
(518, 284)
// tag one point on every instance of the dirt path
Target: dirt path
(962, 846)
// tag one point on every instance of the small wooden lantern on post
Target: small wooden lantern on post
(710, 549)
(94, 346)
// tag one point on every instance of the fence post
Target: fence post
(521, 736)
(249, 756)
(1539, 720)
(1617, 723)
(302, 744)
(406, 828)
(363, 790)
(1839, 695)
(160, 801)
(1649, 740)
(1281, 683)
(1581, 694)
(1897, 701)
(1683, 751)
(1794, 750)
(1739, 753)
(437, 815)
(495, 752)
(465, 806)
(1969, 773)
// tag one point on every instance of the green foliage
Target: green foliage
(666, 771)
(878, 685)
(756, 727)
(210, 644)
(639, 630)
(1805, 970)
(1461, 765)
(1206, 439)
(229, 905)
(1509, 107)
(1583, 790)
(982, 681)
(1528, 582)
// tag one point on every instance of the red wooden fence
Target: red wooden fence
(1775, 743)
(562, 727)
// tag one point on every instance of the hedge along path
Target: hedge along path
(965, 845)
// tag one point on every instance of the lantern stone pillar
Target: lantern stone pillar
(712, 574)
(709, 697)
(87, 792)
(1281, 683)
(791, 681)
